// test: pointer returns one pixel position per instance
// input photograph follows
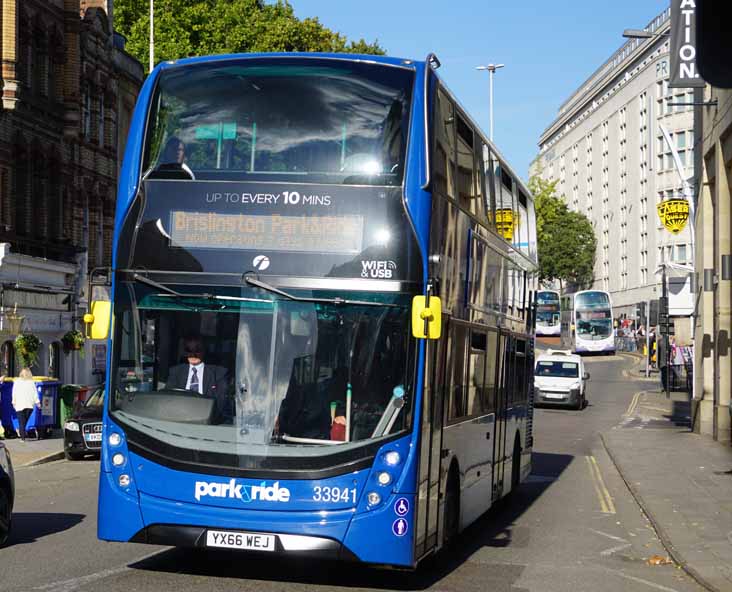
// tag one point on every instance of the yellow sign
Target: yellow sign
(505, 223)
(673, 213)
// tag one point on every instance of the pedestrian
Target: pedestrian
(25, 399)
(662, 360)
(2, 429)
(677, 359)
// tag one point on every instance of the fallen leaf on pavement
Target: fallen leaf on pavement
(658, 560)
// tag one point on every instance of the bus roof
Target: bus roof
(351, 57)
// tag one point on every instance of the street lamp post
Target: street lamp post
(491, 71)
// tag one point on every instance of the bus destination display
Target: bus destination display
(314, 234)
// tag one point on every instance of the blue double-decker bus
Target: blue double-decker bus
(320, 339)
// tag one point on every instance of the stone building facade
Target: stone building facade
(68, 91)
(712, 368)
(607, 150)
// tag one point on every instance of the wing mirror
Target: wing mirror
(586, 376)
(97, 321)
(426, 318)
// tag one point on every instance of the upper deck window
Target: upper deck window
(281, 119)
(592, 300)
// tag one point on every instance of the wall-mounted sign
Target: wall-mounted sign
(505, 223)
(674, 214)
(684, 73)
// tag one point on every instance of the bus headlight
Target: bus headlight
(374, 498)
(392, 458)
(115, 439)
(124, 480)
(383, 478)
(118, 460)
(72, 426)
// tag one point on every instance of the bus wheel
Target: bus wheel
(452, 507)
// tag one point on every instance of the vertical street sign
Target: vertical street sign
(684, 73)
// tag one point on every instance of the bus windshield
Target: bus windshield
(547, 308)
(275, 377)
(586, 300)
(547, 298)
(594, 325)
(281, 119)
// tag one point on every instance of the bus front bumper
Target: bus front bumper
(195, 536)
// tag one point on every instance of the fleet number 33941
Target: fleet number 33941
(334, 494)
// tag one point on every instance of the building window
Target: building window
(681, 253)
(100, 126)
(86, 115)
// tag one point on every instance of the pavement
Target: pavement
(682, 482)
(35, 452)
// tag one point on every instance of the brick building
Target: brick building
(68, 91)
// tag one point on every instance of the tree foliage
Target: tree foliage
(567, 241)
(202, 27)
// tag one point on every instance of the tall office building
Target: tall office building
(612, 162)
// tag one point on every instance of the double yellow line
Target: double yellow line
(603, 495)
(634, 403)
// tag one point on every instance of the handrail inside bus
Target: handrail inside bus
(296, 440)
(434, 63)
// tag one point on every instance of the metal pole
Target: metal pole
(666, 341)
(152, 35)
(490, 101)
(648, 338)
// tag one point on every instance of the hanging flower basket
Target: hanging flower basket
(27, 347)
(73, 341)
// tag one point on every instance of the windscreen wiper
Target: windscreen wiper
(253, 281)
(219, 300)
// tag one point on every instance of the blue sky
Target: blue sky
(549, 47)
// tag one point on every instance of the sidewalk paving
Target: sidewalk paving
(36, 452)
(682, 481)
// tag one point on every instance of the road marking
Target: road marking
(657, 409)
(76, 583)
(633, 403)
(610, 536)
(603, 495)
(641, 581)
(611, 550)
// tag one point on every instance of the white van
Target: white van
(560, 379)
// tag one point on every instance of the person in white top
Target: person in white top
(25, 399)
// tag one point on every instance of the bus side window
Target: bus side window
(476, 372)
(521, 393)
(456, 369)
(490, 188)
(444, 153)
(468, 199)
(489, 383)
